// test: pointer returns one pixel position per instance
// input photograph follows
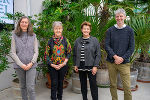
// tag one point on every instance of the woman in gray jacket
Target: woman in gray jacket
(24, 51)
(86, 55)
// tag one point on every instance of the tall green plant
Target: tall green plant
(4, 49)
(146, 6)
(141, 26)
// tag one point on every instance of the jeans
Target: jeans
(27, 83)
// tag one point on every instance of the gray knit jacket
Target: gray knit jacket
(91, 49)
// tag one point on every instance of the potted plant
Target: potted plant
(102, 74)
(141, 26)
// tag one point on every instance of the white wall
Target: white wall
(20, 6)
(28, 7)
(36, 7)
(6, 78)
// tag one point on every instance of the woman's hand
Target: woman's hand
(94, 70)
(76, 68)
(29, 66)
(23, 67)
(55, 66)
(61, 65)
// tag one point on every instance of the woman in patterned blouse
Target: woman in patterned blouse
(58, 51)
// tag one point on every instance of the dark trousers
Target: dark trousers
(57, 77)
(93, 86)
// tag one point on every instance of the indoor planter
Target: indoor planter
(103, 78)
(141, 26)
(143, 71)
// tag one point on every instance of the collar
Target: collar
(120, 27)
(86, 38)
(87, 41)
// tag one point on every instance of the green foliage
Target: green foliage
(126, 5)
(110, 23)
(95, 1)
(47, 3)
(146, 9)
(72, 15)
(141, 26)
(15, 16)
(4, 49)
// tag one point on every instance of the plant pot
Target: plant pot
(143, 71)
(48, 84)
(76, 86)
(103, 78)
(133, 79)
(16, 89)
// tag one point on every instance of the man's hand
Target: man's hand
(118, 60)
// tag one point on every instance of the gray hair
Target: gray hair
(120, 10)
(57, 23)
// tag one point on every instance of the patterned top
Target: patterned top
(57, 53)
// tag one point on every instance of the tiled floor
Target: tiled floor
(143, 93)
